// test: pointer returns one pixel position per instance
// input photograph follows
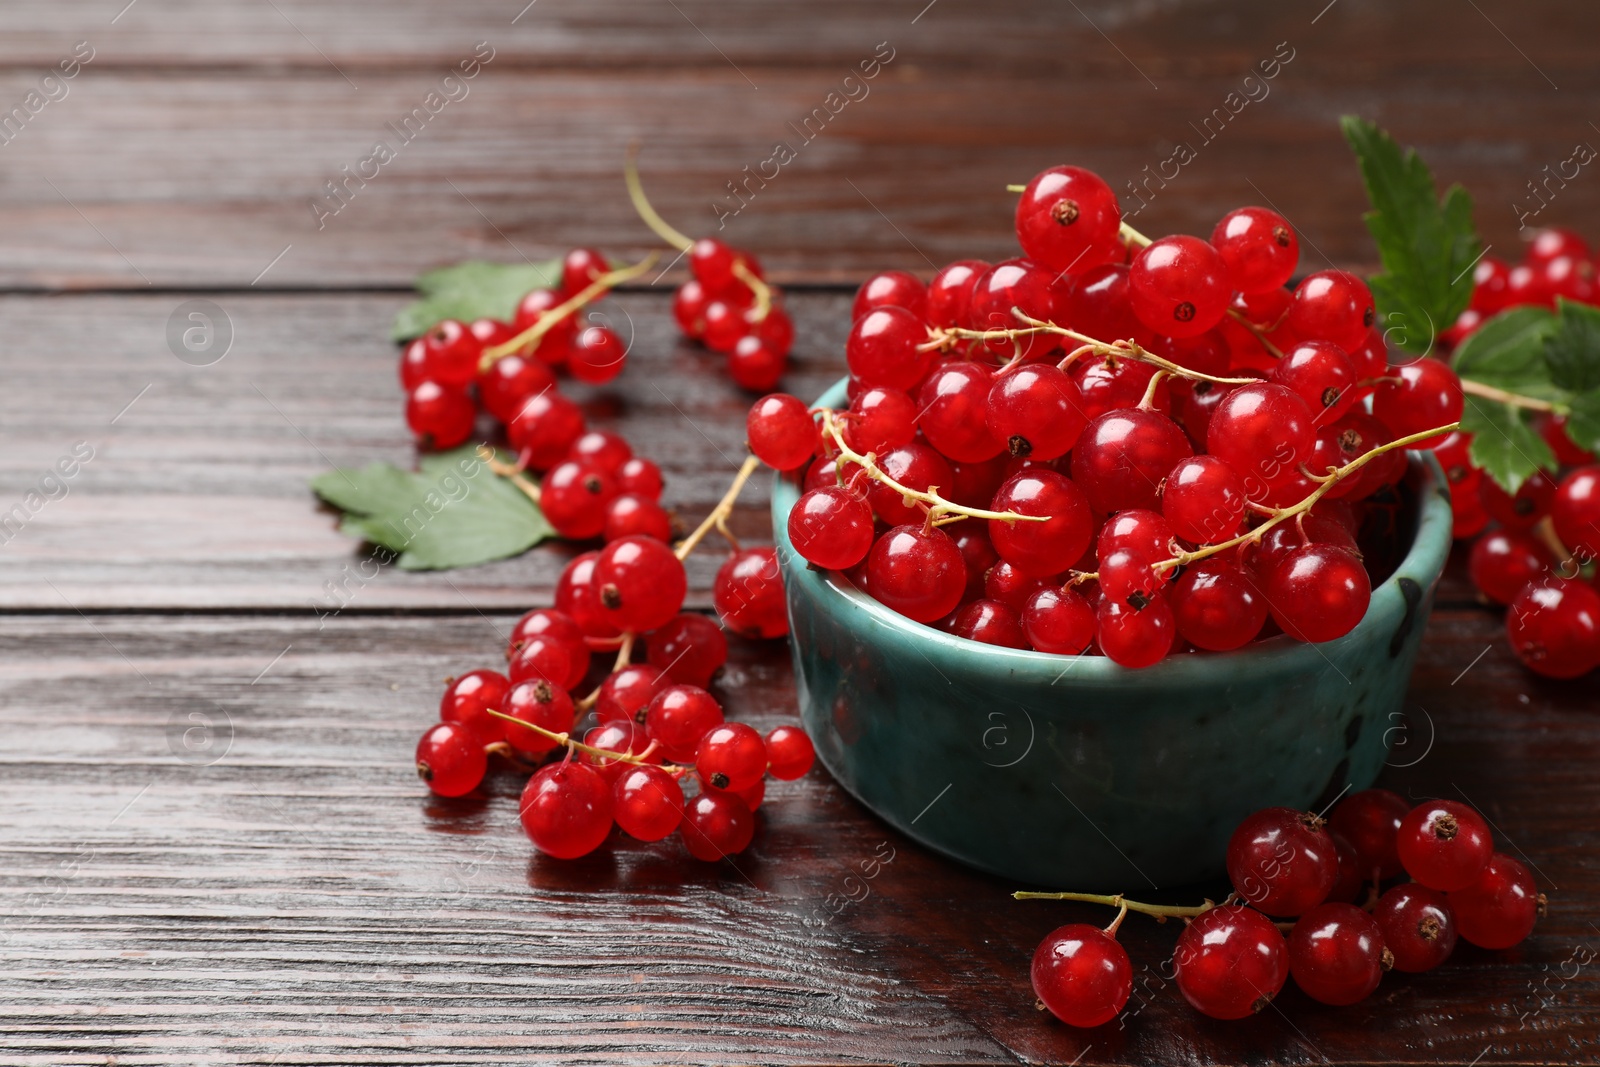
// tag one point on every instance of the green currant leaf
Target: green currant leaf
(1583, 421)
(454, 512)
(1508, 352)
(472, 290)
(1504, 442)
(1427, 246)
(1572, 349)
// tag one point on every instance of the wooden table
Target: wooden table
(213, 849)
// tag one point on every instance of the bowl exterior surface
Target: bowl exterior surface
(1075, 773)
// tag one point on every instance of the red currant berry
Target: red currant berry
(950, 292)
(782, 432)
(690, 649)
(1336, 954)
(1082, 975)
(1121, 457)
(1444, 844)
(628, 692)
(453, 353)
(441, 416)
(1067, 219)
(544, 622)
(1100, 304)
(647, 803)
(578, 597)
(1503, 562)
(510, 382)
(566, 810)
(1523, 510)
(748, 594)
(892, 288)
(1553, 428)
(1417, 927)
(1179, 286)
(544, 429)
(1576, 512)
(416, 365)
(679, 717)
(1037, 411)
(1322, 375)
(1004, 289)
(716, 824)
(1216, 606)
(1499, 908)
(1348, 885)
(624, 737)
(918, 572)
(451, 760)
(879, 420)
(544, 656)
(1554, 625)
(641, 583)
(580, 268)
(775, 330)
(1041, 549)
(1370, 821)
(1318, 592)
(1203, 499)
(731, 756)
(914, 466)
(712, 264)
(574, 496)
(634, 516)
(1332, 305)
(602, 449)
(1282, 861)
(1009, 586)
(640, 477)
(989, 622)
(689, 305)
(553, 346)
(1427, 394)
(754, 366)
(953, 405)
(884, 349)
(1258, 247)
(790, 753)
(726, 325)
(1135, 637)
(1230, 962)
(597, 355)
(1552, 243)
(1263, 432)
(544, 704)
(831, 527)
(468, 700)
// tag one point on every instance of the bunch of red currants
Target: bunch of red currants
(1156, 445)
(1231, 960)
(1524, 561)
(729, 307)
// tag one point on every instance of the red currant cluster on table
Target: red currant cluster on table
(1543, 535)
(1158, 445)
(730, 309)
(1232, 959)
(511, 367)
(655, 728)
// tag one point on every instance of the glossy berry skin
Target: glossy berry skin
(603, 449)
(1203, 498)
(647, 803)
(1008, 286)
(1336, 954)
(689, 648)
(1417, 925)
(1216, 606)
(1282, 861)
(1230, 962)
(716, 824)
(914, 466)
(578, 597)
(1067, 219)
(510, 382)
(621, 736)
(1132, 637)
(919, 573)
(1317, 593)
(1258, 247)
(679, 717)
(416, 364)
(543, 656)
(1082, 975)
(641, 583)
(953, 412)
(450, 758)
(882, 349)
(1041, 549)
(544, 704)
(831, 527)
(544, 622)
(640, 477)
(1444, 845)
(748, 594)
(566, 810)
(553, 346)
(1179, 286)
(573, 496)
(1334, 306)
(754, 365)
(579, 268)
(1037, 411)
(634, 516)
(1122, 456)
(1263, 432)
(880, 419)
(1007, 585)
(1370, 821)
(452, 353)
(1427, 395)
(689, 308)
(1553, 428)
(1522, 511)
(1554, 626)
(1503, 562)
(891, 288)
(1348, 887)
(731, 756)
(790, 753)
(544, 428)
(625, 694)
(1498, 910)
(950, 292)
(1059, 620)
(597, 355)
(782, 432)
(989, 622)
(1322, 375)
(1576, 512)
(441, 416)
(468, 700)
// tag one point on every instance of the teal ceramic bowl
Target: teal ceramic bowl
(1076, 773)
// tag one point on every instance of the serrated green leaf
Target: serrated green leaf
(1504, 442)
(471, 290)
(1583, 421)
(1572, 349)
(1427, 246)
(454, 512)
(1507, 352)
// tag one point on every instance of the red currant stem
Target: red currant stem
(762, 291)
(647, 214)
(624, 653)
(1016, 188)
(578, 746)
(1160, 912)
(719, 515)
(938, 507)
(1149, 400)
(1294, 511)
(1132, 237)
(1258, 332)
(510, 472)
(504, 749)
(1116, 924)
(1516, 400)
(1379, 380)
(548, 320)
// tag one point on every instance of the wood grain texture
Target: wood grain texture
(301, 900)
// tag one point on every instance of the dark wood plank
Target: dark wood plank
(300, 900)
